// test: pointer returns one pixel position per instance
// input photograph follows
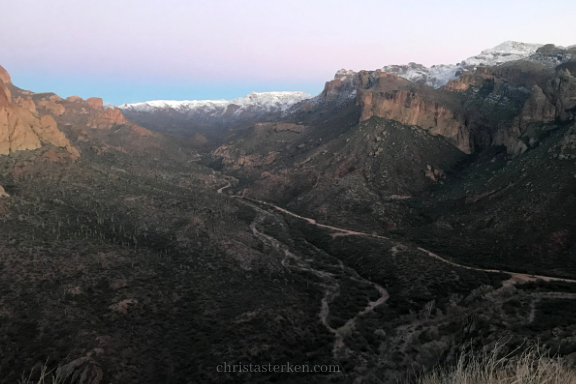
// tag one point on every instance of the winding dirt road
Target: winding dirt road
(224, 187)
(515, 277)
(329, 281)
(332, 286)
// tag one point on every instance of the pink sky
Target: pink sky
(261, 42)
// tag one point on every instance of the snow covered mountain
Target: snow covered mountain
(186, 117)
(439, 75)
(252, 104)
(202, 116)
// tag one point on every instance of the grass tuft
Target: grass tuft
(528, 367)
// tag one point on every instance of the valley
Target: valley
(385, 225)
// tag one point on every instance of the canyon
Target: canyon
(402, 214)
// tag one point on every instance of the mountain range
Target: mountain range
(189, 117)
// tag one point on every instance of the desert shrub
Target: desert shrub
(245, 213)
(554, 313)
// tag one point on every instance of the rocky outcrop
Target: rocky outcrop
(101, 117)
(95, 103)
(48, 131)
(74, 99)
(21, 128)
(77, 111)
(537, 109)
(5, 80)
(16, 133)
(566, 148)
(562, 92)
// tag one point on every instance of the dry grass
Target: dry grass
(42, 375)
(529, 367)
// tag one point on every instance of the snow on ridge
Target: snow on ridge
(507, 51)
(261, 101)
(439, 75)
(343, 74)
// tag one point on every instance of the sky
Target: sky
(129, 51)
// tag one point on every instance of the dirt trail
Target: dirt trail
(329, 282)
(515, 277)
(224, 187)
(342, 232)
(332, 286)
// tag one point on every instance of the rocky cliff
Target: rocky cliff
(387, 95)
(487, 105)
(30, 120)
(21, 128)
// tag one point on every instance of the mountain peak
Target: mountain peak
(517, 46)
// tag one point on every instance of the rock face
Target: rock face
(389, 96)
(26, 102)
(21, 128)
(93, 126)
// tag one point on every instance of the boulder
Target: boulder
(74, 99)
